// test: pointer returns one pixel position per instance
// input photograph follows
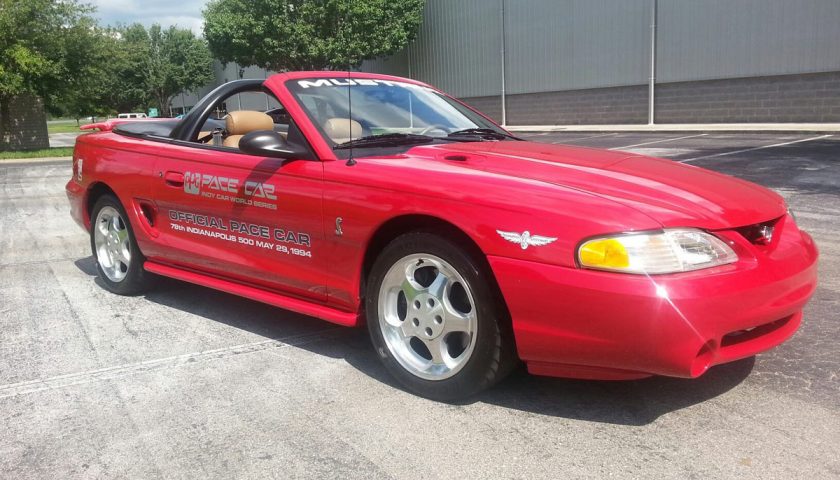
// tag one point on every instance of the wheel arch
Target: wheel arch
(408, 223)
(403, 224)
(94, 192)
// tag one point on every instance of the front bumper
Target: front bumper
(589, 324)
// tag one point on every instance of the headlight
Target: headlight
(668, 251)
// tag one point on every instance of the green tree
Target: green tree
(111, 75)
(88, 92)
(128, 88)
(39, 50)
(129, 68)
(178, 61)
(309, 34)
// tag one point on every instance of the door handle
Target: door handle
(174, 179)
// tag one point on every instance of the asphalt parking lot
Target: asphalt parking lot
(186, 382)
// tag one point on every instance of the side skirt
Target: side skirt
(288, 303)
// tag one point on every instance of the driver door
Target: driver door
(247, 218)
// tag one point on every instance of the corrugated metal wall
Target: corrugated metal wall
(457, 49)
(555, 45)
(705, 39)
(573, 44)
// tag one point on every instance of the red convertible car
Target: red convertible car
(361, 198)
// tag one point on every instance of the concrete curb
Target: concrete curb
(689, 127)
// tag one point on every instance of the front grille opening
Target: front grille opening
(741, 336)
(760, 233)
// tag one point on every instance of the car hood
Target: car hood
(671, 193)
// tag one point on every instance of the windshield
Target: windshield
(381, 107)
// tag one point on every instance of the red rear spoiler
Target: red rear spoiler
(109, 125)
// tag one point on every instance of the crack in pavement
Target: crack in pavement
(39, 262)
(119, 371)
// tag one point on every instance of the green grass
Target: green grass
(69, 127)
(47, 152)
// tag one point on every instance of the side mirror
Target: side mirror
(268, 143)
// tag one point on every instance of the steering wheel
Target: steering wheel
(432, 128)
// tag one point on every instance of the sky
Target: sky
(184, 13)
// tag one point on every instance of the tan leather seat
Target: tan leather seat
(241, 122)
(341, 130)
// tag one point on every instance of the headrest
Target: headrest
(244, 121)
(342, 129)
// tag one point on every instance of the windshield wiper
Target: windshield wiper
(486, 133)
(385, 140)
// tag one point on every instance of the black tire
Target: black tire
(493, 356)
(136, 280)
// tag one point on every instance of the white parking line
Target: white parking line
(658, 141)
(584, 138)
(754, 148)
(118, 371)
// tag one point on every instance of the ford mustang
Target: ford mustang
(370, 199)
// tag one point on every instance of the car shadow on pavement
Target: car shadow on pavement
(271, 323)
(635, 402)
(629, 402)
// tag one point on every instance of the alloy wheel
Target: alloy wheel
(427, 316)
(113, 247)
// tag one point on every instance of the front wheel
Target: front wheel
(434, 318)
(119, 262)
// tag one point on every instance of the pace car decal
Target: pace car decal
(257, 194)
(247, 234)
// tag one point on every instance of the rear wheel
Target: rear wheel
(434, 319)
(119, 262)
